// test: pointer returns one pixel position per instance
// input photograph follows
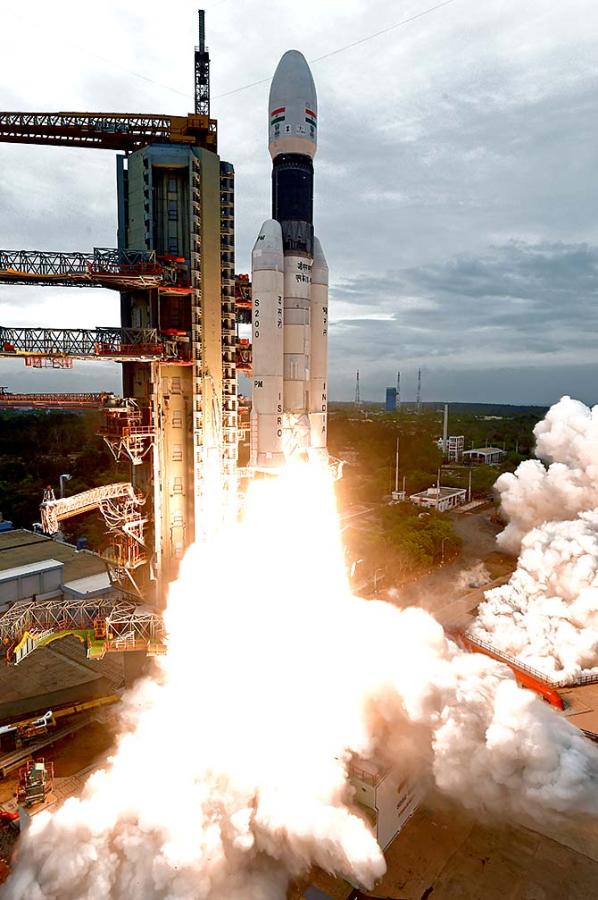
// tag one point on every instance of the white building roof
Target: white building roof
(91, 584)
(485, 451)
(44, 565)
(441, 492)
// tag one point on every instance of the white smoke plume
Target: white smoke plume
(232, 777)
(547, 614)
(474, 577)
(567, 439)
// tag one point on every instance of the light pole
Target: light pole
(63, 478)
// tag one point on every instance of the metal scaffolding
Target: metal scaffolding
(127, 431)
(202, 70)
(107, 498)
(101, 400)
(82, 343)
(108, 131)
(105, 267)
(119, 505)
(243, 356)
(106, 624)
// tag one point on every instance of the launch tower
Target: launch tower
(174, 267)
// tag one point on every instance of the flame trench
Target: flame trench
(230, 775)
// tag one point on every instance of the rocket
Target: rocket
(290, 286)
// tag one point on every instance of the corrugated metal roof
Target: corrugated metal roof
(21, 547)
(30, 569)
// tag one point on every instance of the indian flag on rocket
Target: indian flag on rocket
(277, 115)
(311, 117)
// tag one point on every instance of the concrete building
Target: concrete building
(21, 548)
(455, 445)
(439, 498)
(489, 456)
(390, 404)
(389, 798)
(179, 202)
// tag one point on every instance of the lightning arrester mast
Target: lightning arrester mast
(398, 400)
(419, 390)
(357, 393)
(202, 70)
(445, 431)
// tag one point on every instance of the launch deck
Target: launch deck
(445, 854)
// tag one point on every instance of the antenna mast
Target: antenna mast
(445, 432)
(202, 71)
(419, 390)
(398, 403)
(357, 393)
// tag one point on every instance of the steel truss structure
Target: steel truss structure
(109, 131)
(105, 267)
(105, 624)
(125, 431)
(117, 503)
(82, 343)
(57, 401)
(202, 70)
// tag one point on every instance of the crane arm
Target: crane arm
(108, 131)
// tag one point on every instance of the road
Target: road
(447, 584)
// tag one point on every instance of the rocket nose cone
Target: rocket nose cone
(293, 107)
(293, 75)
(267, 250)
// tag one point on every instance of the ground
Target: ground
(73, 758)
(444, 587)
(444, 854)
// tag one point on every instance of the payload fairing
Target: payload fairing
(290, 286)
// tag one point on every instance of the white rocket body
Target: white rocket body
(290, 287)
(318, 392)
(267, 266)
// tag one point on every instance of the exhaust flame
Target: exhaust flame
(232, 776)
(547, 615)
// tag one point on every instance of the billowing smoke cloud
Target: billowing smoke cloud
(231, 777)
(474, 577)
(547, 614)
(567, 439)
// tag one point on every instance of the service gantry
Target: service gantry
(177, 421)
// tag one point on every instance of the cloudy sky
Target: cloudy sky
(456, 185)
